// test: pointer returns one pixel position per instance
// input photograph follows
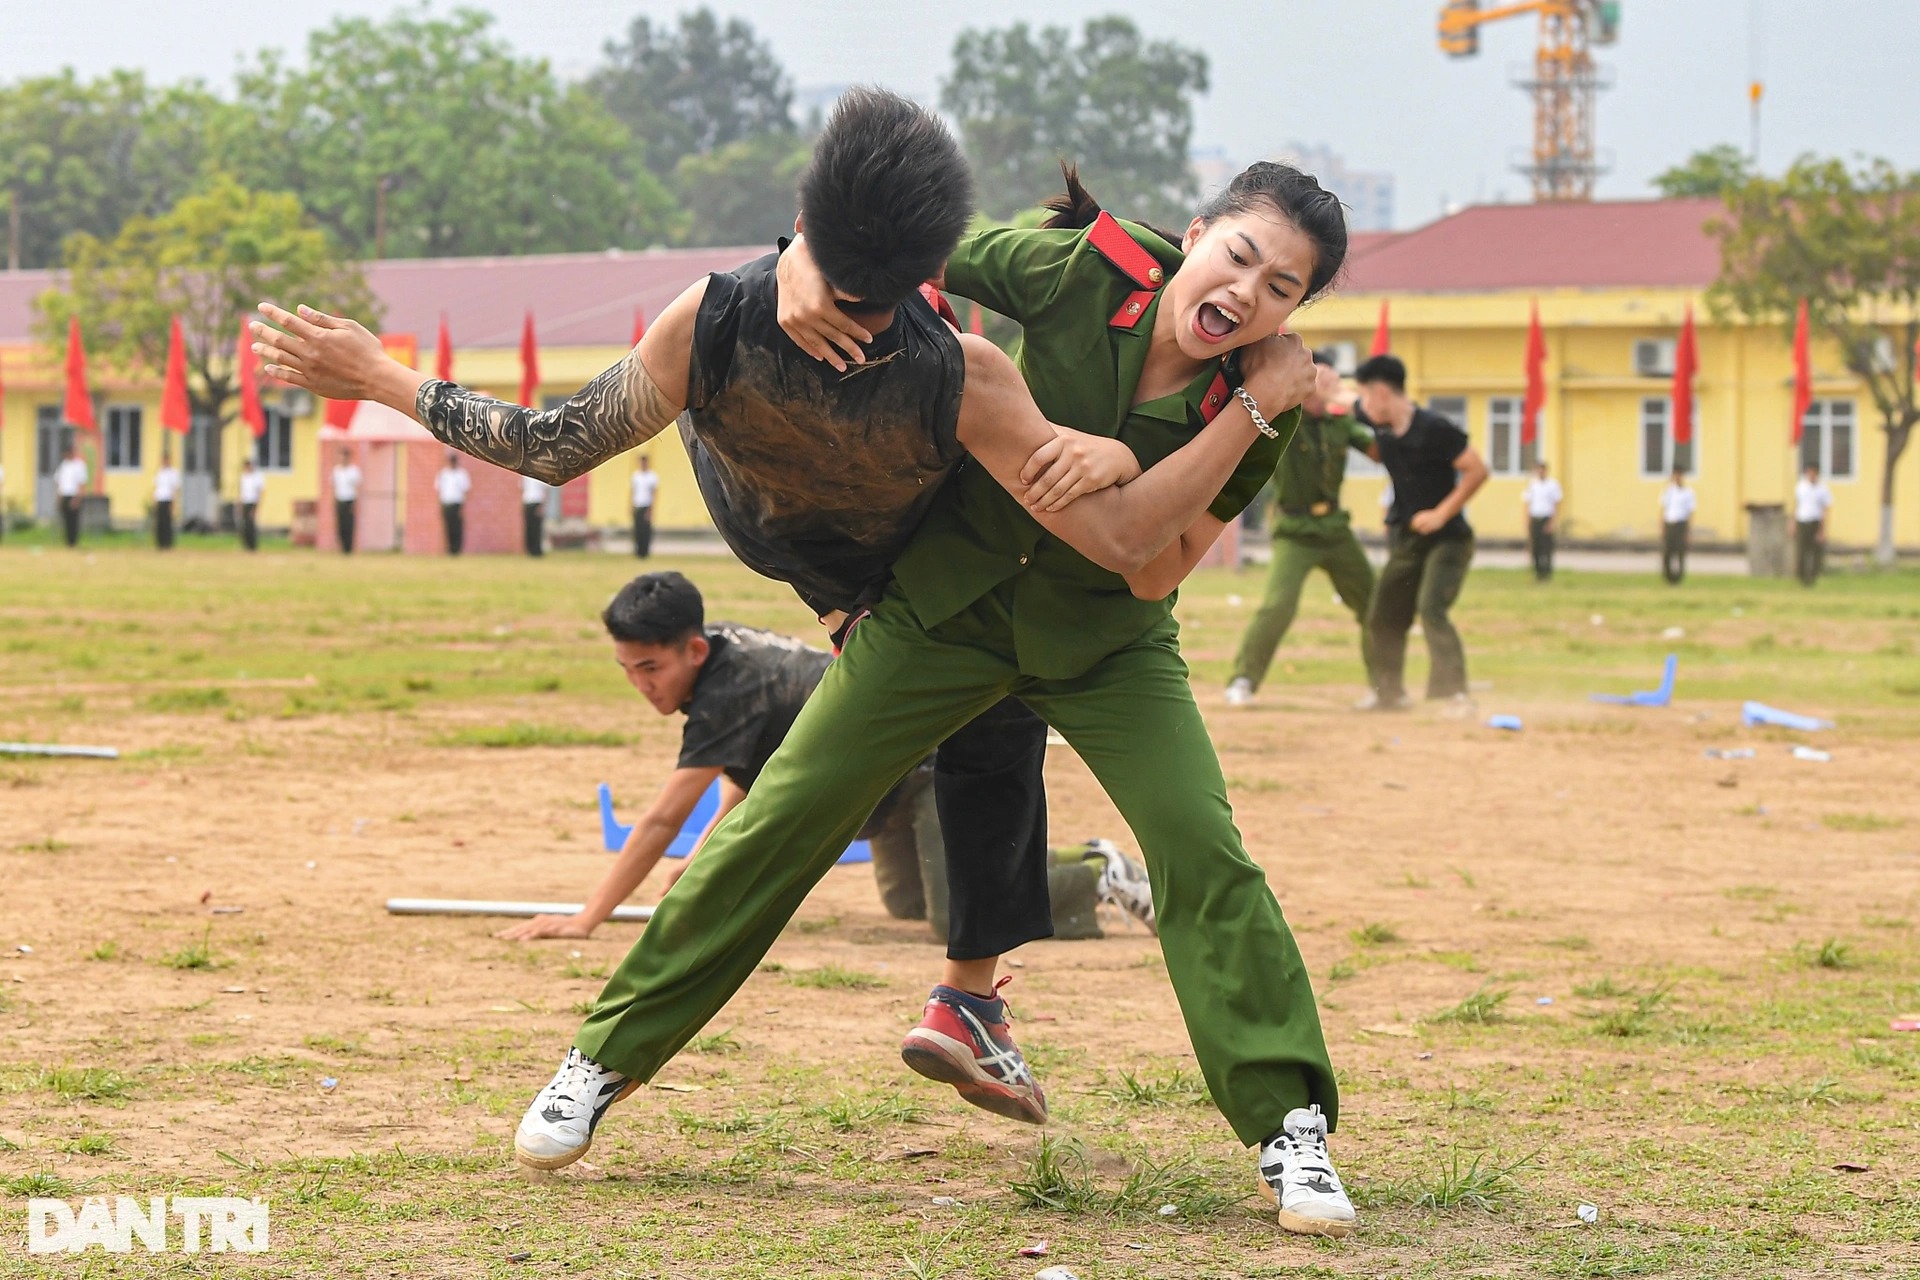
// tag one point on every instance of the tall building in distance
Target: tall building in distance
(1369, 195)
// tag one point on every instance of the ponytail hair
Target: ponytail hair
(1076, 208)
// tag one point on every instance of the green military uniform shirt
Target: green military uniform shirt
(1068, 613)
(1306, 501)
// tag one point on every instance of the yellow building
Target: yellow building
(585, 308)
(1612, 281)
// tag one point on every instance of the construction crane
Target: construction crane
(1564, 82)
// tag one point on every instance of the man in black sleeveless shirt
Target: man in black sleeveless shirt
(818, 476)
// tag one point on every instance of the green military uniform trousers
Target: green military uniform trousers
(896, 690)
(1422, 577)
(1301, 545)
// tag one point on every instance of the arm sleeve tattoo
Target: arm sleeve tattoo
(619, 410)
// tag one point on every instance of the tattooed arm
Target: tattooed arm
(624, 407)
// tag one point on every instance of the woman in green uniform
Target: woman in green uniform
(1126, 336)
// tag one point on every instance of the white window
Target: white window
(273, 451)
(1452, 408)
(1506, 456)
(123, 437)
(1659, 454)
(1827, 438)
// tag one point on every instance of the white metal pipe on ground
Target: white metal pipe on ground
(480, 907)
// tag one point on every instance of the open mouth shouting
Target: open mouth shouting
(1216, 323)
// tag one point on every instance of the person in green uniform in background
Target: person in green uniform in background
(987, 602)
(1311, 530)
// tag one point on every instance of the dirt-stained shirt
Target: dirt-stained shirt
(814, 477)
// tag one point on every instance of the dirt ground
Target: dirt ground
(1421, 859)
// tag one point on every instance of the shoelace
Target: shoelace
(1307, 1151)
(574, 1084)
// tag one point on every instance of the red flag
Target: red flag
(1536, 380)
(247, 368)
(639, 325)
(78, 409)
(529, 364)
(1686, 363)
(1802, 372)
(976, 325)
(443, 353)
(339, 414)
(1382, 341)
(176, 411)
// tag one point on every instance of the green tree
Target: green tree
(1705, 173)
(209, 260)
(745, 191)
(1848, 242)
(87, 155)
(1115, 103)
(694, 88)
(425, 136)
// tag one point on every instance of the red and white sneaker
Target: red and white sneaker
(963, 1041)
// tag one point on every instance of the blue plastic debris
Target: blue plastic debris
(1760, 713)
(1510, 723)
(614, 833)
(1663, 696)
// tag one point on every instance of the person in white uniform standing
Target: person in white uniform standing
(253, 483)
(166, 488)
(1676, 514)
(645, 484)
(452, 484)
(1811, 501)
(346, 493)
(533, 513)
(69, 483)
(1542, 500)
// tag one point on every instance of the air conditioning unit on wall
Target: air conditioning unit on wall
(1653, 358)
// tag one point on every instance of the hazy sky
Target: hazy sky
(1363, 76)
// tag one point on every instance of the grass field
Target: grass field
(1585, 963)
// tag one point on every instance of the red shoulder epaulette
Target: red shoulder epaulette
(1111, 241)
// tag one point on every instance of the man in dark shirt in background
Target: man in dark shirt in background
(1435, 470)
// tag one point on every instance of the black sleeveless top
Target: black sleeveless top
(814, 477)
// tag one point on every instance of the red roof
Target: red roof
(1605, 244)
(577, 299)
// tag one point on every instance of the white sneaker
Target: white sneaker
(1374, 702)
(1457, 707)
(558, 1127)
(1124, 883)
(1240, 692)
(1297, 1175)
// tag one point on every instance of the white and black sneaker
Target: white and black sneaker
(1297, 1175)
(1123, 882)
(1240, 692)
(558, 1127)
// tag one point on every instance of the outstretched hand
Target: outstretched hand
(547, 927)
(330, 356)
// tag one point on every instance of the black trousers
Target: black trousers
(453, 519)
(1540, 543)
(249, 526)
(70, 520)
(643, 532)
(532, 521)
(1673, 550)
(343, 524)
(1809, 551)
(989, 785)
(163, 525)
